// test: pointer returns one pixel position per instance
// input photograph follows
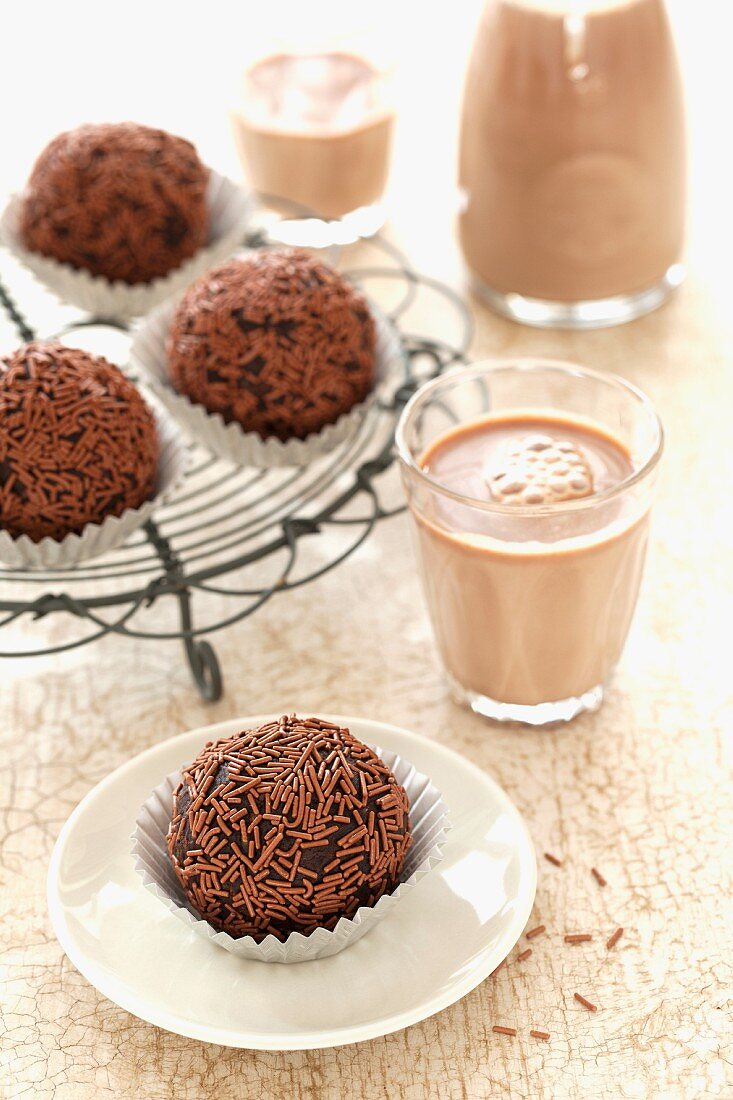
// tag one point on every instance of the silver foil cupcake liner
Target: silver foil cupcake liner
(231, 441)
(230, 213)
(99, 538)
(429, 822)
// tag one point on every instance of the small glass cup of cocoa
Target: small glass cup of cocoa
(529, 484)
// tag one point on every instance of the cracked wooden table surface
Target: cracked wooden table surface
(640, 790)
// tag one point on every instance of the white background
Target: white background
(177, 65)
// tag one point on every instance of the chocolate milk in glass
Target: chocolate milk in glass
(529, 484)
(314, 129)
(529, 620)
(572, 161)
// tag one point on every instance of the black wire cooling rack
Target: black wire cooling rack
(247, 525)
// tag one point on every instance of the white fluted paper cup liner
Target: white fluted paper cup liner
(231, 441)
(230, 213)
(99, 538)
(429, 822)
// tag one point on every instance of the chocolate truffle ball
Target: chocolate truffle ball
(278, 342)
(287, 828)
(77, 442)
(120, 200)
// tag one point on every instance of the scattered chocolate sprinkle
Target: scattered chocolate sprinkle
(278, 342)
(578, 937)
(598, 876)
(540, 1034)
(500, 1030)
(613, 939)
(586, 1004)
(498, 968)
(553, 859)
(535, 931)
(77, 441)
(120, 200)
(524, 955)
(287, 864)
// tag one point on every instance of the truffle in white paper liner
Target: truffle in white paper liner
(99, 538)
(231, 441)
(429, 823)
(230, 210)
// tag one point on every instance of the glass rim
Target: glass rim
(529, 364)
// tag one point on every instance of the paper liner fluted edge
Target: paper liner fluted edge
(230, 213)
(430, 824)
(100, 538)
(231, 441)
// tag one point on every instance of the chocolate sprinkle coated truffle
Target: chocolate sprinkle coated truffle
(77, 442)
(287, 828)
(120, 200)
(278, 342)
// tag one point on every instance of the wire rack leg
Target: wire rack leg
(202, 659)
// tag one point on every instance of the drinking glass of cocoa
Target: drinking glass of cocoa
(572, 161)
(529, 485)
(314, 119)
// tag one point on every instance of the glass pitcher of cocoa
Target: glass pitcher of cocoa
(572, 161)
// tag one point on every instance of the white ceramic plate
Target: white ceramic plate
(440, 942)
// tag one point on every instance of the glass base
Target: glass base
(541, 714)
(311, 232)
(598, 313)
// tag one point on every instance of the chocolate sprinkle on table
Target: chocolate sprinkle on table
(578, 937)
(586, 1004)
(614, 938)
(598, 876)
(524, 955)
(287, 828)
(501, 1030)
(535, 931)
(540, 1034)
(553, 859)
(118, 199)
(77, 442)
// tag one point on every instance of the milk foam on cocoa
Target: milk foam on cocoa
(538, 469)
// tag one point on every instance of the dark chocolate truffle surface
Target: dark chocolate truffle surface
(278, 342)
(78, 443)
(287, 828)
(118, 199)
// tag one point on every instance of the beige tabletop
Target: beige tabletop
(640, 790)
